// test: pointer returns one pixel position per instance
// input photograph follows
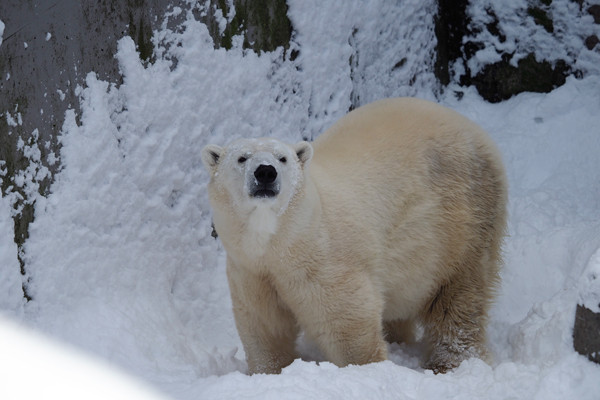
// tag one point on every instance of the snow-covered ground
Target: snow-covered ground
(120, 256)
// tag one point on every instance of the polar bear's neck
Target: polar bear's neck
(261, 226)
(263, 219)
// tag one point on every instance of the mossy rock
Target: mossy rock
(264, 24)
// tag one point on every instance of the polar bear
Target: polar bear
(393, 217)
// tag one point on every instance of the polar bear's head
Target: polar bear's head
(255, 174)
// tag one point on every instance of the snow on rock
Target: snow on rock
(518, 33)
(1, 31)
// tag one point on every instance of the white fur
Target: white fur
(262, 223)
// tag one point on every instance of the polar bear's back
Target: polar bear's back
(404, 142)
(400, 126)
(406, 183)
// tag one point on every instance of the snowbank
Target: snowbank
(120, 255)
(32, 367)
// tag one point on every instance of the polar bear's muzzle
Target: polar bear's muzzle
(265, 182)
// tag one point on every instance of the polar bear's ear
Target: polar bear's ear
(210, 156)
(304, 151)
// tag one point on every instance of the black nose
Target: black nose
(265, 174)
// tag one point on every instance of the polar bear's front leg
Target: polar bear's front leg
(268, 329)
(342, 313)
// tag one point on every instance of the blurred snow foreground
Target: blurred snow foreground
(121, 261)
(33, 367)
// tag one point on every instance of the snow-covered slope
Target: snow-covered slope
(120, 255)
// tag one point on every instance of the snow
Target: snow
(40, 368)
(2, 26)
(120, 257)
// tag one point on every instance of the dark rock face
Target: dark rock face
(586, 333)
(500, 81)
(451, 25)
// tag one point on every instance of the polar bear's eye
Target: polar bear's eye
(283, 160)
(242, 159)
